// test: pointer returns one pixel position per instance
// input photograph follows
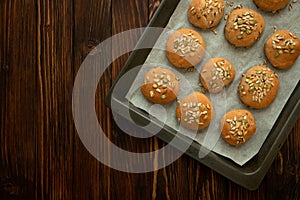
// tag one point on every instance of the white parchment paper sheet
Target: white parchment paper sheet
(242, 59)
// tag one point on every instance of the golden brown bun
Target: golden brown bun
(160, 86)
(216, 74)
(185, 48)
(271, 5)
(282, 49)
(205, 14)
(258, 87)
(195, 111)
(237, 126)
(244, 27)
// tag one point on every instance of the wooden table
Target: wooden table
(42, 45)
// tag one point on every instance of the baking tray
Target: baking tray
(249, 175)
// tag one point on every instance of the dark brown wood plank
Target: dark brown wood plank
(153, 5)
(127, 15)
(17, 95)
(92, 26)
(55, 138)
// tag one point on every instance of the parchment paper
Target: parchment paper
(242, 59)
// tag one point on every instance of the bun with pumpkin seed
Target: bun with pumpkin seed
(205, 14)
(216, 74)
(271, 5)
(195, 111)
(282, 49)
(237, 126)
(160, 86)
(185, 48)
(258, 87)
(244, 27)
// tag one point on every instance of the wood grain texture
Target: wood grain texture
(42, 46)
(55, 73)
